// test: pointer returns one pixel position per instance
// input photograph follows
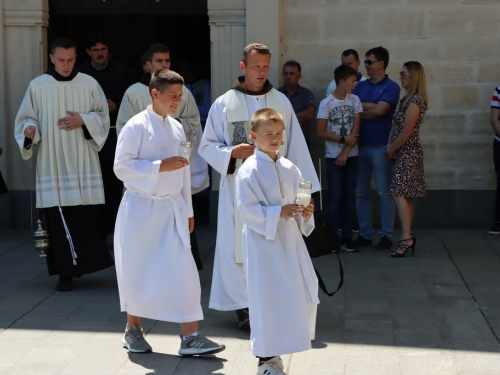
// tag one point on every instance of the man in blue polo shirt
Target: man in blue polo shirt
(379, 96)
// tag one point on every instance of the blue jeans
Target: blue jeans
(342, 194)
(372, 160)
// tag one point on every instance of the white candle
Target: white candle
(303, 199)
(185, 150)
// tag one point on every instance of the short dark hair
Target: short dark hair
(144, 58)
(260, 48)
(293, 63)
(95, 38)
(155, 48)
(343, 72)
(349, 52)
(163, 78)
(380, 53)
(62, 42)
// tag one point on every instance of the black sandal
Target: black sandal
(404, 248)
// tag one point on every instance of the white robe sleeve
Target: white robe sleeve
(125, 113)
(26, 116)
(186, 191)
(306, 226)
(97, 120)
(188, 115)
(297, 151)
(136, 173)
(261, 219)
(213, 147)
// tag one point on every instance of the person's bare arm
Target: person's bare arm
(350, 140)
(305, 116)
(375, 111)
(495, 120)
(411, 118)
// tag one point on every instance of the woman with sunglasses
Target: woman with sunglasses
(405, 149)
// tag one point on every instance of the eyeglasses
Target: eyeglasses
(369, 62)
(402, 74)
(99, 50)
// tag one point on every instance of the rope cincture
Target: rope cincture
(68, 236)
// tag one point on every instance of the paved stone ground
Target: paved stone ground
(436, 313)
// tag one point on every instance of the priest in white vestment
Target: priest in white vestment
(157, 275)
(282, 284)
(225, 145)
(137, 98)
(65, 114)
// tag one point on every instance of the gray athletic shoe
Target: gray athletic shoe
(134, 340)
(271, 367)
(197, 345)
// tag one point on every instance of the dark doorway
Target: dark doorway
(131, 26)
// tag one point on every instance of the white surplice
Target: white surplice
(157, 275)
(137, 98)
(281, 282)
(229, 289)
(68, 169)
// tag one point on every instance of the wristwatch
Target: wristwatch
(342, 140)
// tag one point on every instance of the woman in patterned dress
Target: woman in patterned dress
(405, 149)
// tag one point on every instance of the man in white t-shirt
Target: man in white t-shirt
(351, 58)
(338, 124)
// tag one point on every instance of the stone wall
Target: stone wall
(456, 41)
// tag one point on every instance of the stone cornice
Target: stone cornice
(227, 16)
(25, 18)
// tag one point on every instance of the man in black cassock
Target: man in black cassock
(114, 78)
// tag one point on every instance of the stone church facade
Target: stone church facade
(456, 41)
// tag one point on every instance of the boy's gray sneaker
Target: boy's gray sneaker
(134, 340)
(271, 367)
(198, 345)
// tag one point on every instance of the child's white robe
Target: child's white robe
(157, 275)
(229, 289)
(281, 282)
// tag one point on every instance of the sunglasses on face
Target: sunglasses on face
(369, 62)
(402, 74)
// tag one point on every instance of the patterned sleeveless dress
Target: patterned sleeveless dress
(408, 178)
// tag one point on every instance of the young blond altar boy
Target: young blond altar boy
(281, 282)
(157, 275)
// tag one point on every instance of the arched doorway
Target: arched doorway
(131, 26)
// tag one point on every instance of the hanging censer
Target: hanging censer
(41, 240)
(40, 236)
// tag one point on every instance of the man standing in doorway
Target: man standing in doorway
(65, 113)
(379, 96)
(114, 78)
(349, 57)
(225, 146)
(302, 99)
(137, 98)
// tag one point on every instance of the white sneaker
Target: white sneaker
(271, 367)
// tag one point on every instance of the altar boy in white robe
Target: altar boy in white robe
(65, 115)
(157, 275)
(225, 145)
(281, 282)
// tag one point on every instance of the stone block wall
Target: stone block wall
(456, 41)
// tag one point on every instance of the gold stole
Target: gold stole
(237, 116)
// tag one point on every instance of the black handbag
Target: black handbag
(319, 242)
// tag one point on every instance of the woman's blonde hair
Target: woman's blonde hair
(417, 85)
